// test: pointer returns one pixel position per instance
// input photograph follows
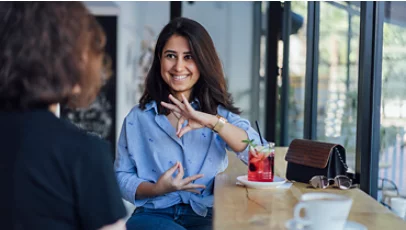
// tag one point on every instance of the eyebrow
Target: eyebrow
(172, 51)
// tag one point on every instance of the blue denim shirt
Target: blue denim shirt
(148, 146)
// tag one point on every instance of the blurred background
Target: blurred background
(327, 71)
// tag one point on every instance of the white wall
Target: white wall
(230, 24)
(133, 18)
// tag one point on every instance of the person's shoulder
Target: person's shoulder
(87, 145)
(55, 129)
(96, 145)
(223, 111)
(134, 113)
(137, 111)
(80, 138)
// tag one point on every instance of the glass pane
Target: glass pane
(338, 75)
(392, 165)
(297, 69)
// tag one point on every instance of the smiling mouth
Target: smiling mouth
(179, 77)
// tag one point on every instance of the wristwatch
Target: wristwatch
(220, 123)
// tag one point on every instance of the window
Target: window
(338, 75)
(392, 164)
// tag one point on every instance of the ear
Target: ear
(76, 90)
(85, 57)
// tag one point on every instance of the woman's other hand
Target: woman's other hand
(167, 183)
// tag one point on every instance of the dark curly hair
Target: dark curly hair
(210, 89)
(41, 50)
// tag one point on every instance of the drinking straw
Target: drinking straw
(259, 132)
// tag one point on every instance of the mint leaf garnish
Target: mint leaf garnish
(250, 143)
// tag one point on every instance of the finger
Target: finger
(176, 102)
(177, 115)
(181, 173)
(189, 179)
(187, 104)
(170, 107)
(253, 152)
(184, 130)
(194, 186)
(172, 170)
(193, 191)
(180, 123)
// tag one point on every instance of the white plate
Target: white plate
(261, 185)
(352, 225)
(349, 225)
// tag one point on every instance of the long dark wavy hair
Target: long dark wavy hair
(210, 89)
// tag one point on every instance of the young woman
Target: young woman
(53, 175)
(173, 144)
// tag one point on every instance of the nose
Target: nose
(179, 66)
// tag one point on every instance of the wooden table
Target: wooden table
(237, 207)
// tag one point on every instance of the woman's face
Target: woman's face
(178, 68)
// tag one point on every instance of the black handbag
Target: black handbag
(307, 158)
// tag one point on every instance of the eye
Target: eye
(170, 56)
(188, 57)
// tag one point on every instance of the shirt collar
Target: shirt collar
(152, 105)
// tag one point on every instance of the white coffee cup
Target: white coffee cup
(398, 205)
(323, 211)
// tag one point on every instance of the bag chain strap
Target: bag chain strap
(341, 159)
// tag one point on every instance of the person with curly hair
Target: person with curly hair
(53, 175)
(173, 144)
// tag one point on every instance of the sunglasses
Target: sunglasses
(340, 181)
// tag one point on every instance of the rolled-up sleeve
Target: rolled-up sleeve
(244, 124)
(126, 171)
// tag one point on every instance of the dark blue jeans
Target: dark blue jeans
(177, 217)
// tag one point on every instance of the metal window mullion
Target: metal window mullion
(369, 96)
(273, 27)
(311, 78)
(175, 9)
(256, 53)
(286, 30)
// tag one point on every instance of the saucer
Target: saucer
(349, 225)
(261, 185)
(352, 225)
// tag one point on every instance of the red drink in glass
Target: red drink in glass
(261, 162)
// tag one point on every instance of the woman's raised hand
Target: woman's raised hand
(184, 111)
(167, 183)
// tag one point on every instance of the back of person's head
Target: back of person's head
(210, 89)
(50, 52)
